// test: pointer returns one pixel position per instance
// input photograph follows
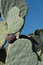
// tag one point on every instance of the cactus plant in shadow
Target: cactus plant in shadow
(2, 56)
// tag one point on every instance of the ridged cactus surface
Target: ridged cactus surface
(3, 33)
(22, 6)
(36, 41)
(39, 33)
(21, 53)
(14, 21)
(6, 5)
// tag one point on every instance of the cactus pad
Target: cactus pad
(2, 63)
(42, 57)
(6, 5)
(3, 33)
(21, 53)
(14, 21)
(40, 63)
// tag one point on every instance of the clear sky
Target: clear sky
(34, 17)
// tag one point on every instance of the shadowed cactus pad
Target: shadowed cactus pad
(21, 53)
(2, 56)
(3, 33)
(37, 42)
(2, 63)
(14, 21)
(6, 5)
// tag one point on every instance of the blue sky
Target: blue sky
(34, 17)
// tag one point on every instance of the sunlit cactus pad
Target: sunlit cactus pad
(21, 53)
(3, 33)
(6, 5)
(14, 21)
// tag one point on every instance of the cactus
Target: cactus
(3, 33)
(6, 5)
(0, 6)
(40, 63)
(14, 21)
(1, 63)
(22, 6)
(42, 57)
(2, 56)
(21, 53)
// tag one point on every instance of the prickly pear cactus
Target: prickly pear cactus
(0, 6)
(1, 63)
(6, 5)
(21, 53)
(14, 21)
(22, 6)
(37, 42)
(3, 33)
(40, 63)
(42, 57)
(2, 56)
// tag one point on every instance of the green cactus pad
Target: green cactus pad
(22, 6)
(40, 63)
(37, 42)
(14, 21)
(42, 57)
(2, 63)
(6, 5)
(21, 53)
(3, 33)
